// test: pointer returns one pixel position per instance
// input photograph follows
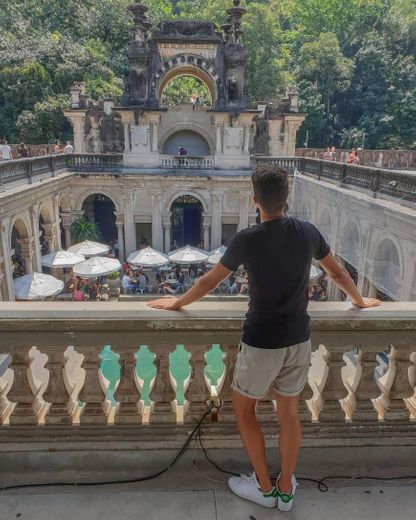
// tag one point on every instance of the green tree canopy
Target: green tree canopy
(354, 61)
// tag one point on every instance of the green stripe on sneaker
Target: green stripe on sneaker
(272, 493)
(285, 497)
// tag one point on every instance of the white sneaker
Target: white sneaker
(247, 486)
(285, 500)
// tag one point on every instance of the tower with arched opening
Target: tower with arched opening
(186, 93)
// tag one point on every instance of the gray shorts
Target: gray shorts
(284, 370)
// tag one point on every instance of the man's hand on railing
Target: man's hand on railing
(167, 304)
(365, 303)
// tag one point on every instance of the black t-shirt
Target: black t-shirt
(277, 256)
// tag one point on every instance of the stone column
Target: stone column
(67, 219)
(157, 229)
(50, 236)
(34, 220)
(127, 141)
(246, 141)
(216, 229)
(167, 227)
(27, 252)
(206, 226)
(129, 225)
(58, 241)
(154, 137)
(244, 210)
(77, 119)
(218, 148)
(7, 261)
(120, 230)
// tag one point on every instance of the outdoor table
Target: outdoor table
(172, 281)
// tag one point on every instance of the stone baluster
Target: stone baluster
(225, 392)
(92, 392)
(398, 385)
(197, 387)
(333, 389)
(61, 408)
(304, 411)
(130, 408)
(20, 392)
(359, 400)
(266, 409)
(163, 388)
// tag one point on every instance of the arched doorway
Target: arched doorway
(192, 141)
(179, 86)
(186, 221)
(21, 261)
(101, 209)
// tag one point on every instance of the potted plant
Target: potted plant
(114, 283)
(84, 229)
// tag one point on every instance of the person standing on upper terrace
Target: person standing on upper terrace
(5, 151)
(276, 348)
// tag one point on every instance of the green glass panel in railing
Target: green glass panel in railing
(145, 370)
(110, 370)
(180, 369)
(215, 365)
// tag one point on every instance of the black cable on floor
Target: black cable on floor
(152, 476)
(196, 432)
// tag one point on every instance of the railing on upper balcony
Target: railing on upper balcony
(397, 184)
(56, 386)
(96, 162)
(35, 168)
(31, 169)
(187, 162)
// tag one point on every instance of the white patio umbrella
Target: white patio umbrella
(97, 266)
(148, 257)
(315, 273)
(36, 286)
(215, 256)
(188, 255)
(61, 259)
(89, 248)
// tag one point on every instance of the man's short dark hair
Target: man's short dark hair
(271, 186)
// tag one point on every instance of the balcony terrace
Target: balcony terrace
(59, 423)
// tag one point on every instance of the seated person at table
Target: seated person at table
(93, 291)
(127, 283)
(78, 294)
(244, 285)
(234, 286)
(177, 285)
(142, 280)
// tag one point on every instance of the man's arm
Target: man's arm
(201, 288)
(340, 276)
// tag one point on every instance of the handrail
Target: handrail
(187, 161)
(397, 184)
(68, 397)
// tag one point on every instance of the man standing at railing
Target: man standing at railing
(69, 149)
(275, 351)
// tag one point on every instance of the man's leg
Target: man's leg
(289, 439)
(252, 437)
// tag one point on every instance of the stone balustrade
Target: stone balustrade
(96, 162)
(397, 184)
(187, 162)
(55, 391)
(400, 185)
(34, 168)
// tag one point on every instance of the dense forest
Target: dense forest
(354, 62)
